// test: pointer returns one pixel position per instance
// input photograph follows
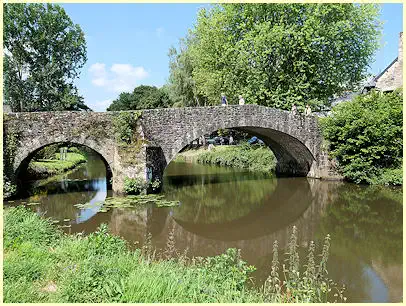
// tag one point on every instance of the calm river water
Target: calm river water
(229, 208)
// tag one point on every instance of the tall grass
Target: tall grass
(41, 264)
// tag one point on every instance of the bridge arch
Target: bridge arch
(294, 139)
(24, 156)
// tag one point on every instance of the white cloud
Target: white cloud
(121, 77)
(159, 31)
(100, 106)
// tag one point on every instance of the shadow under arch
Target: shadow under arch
(23, 165)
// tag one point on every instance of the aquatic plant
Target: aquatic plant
(129, 201)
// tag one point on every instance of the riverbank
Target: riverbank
(44, 168)
(41, 264)
(253, 158)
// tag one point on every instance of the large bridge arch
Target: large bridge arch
(295, 139)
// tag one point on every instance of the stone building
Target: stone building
(392, 76)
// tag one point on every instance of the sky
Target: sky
(128, 44)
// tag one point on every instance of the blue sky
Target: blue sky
(127, 44)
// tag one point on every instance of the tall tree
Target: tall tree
(142, 97)
(182, 87)
(43, 53)
(280, 54)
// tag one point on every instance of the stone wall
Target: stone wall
(161, 133)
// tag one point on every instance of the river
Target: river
(224, 208)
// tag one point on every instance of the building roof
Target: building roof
(390, 65)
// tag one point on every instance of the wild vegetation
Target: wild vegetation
(365, 136)
(253, 158)
(41, 264)
(136, 186)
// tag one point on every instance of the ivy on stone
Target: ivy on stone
(124, 124)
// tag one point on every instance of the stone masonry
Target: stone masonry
(295, 140)
(392, 77)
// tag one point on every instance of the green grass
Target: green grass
(253, 158)
(41, 264)
(47, 167)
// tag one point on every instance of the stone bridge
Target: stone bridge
(160, 134)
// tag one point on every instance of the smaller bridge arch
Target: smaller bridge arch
(24, 157)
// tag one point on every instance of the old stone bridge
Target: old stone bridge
(160, 134)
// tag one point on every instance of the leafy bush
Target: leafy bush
(135, 186)
(365, 136)
(254, 158)
(388, 177)
(8, 188)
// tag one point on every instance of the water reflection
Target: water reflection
(57, 195)
(223, 208)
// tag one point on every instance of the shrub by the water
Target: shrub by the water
(136, 186)
(365, 136)
(254, 158)
(41, 264)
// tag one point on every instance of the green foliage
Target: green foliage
(47, 167)
(45, 51)
(182, 87)
(99, 268)
(47, 152)
(365, 136)
(8, 187)
(134, 186)
(254, 158)
(23, 226)
(11, 137)
(388, 177)
(278, 54)
(310, 286)
(124, 124)
(142, 97)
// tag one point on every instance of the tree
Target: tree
(44, 51)
(182, 87)
(142, 97)
(365, 136)
(280, 54)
